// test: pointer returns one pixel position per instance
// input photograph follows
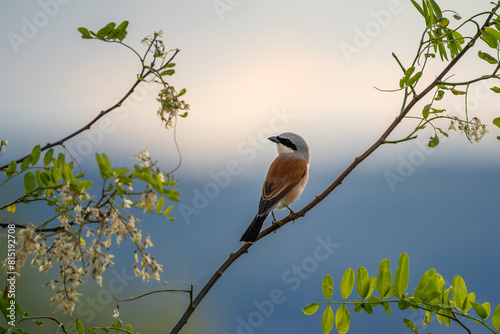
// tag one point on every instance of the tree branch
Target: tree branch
(319, 198)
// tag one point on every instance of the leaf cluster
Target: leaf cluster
(110, 32)
(430, 295)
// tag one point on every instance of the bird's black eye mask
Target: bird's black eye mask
(287, 142)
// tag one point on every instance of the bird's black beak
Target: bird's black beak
(274, 139)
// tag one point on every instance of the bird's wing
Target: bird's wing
(285, 172)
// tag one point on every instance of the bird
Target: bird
(285, 181)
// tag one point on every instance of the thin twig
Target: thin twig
(151, 292)
(61, 325)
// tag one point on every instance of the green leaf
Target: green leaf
(38, 323)
(122, 30)
(357, 306)
(13, 166)
(459, 292)
(347, 283)
(168, 65)
(457, 92)
(35, 155)
(487, 57)
(374, 301)
(425, 278)
(167, 72)
(458, 37)
(79, 327)
(11, 208)
(56, 174)
(159, 204)
(489, 38)
(310, 309)
(433, 142)
(418, 7)
(168, 210)
(471, 297)
(495, 318)
(414, 79)
(343, 320)
(47, 159)
(403, 304)
(401, 277)
(493, 32)
(407, 75)
(384, 279)
(102, 165)
(368, 308)
(107, 163)
(436, 9)
(29, 182)
(60, 160)
(443, 22)
(425, 112)
(84, 185)
(327, 320)
(411, 325)
(363, 282)
(496, 121)
(182, 92)
(327, 287)
(25, 163)
(387, 308)
(85, 33)
(480, 310)
(373, 284)
(103, 33)
(487, 308)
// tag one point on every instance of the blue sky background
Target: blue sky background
(261, 68)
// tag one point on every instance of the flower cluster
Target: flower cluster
(3, 146)
(171, 105)
(474, 130)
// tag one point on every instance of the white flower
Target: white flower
(98, 280)
(127, 203)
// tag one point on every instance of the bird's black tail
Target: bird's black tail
(253, 230)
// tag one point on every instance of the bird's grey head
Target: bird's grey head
(291, 143)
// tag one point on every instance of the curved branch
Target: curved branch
(319, 198)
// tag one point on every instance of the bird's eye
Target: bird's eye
(288, 143)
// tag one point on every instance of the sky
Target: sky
(253, 69)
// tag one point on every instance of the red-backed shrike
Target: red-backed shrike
(285, 181)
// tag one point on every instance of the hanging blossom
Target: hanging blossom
(473, 129)
(171, 105)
